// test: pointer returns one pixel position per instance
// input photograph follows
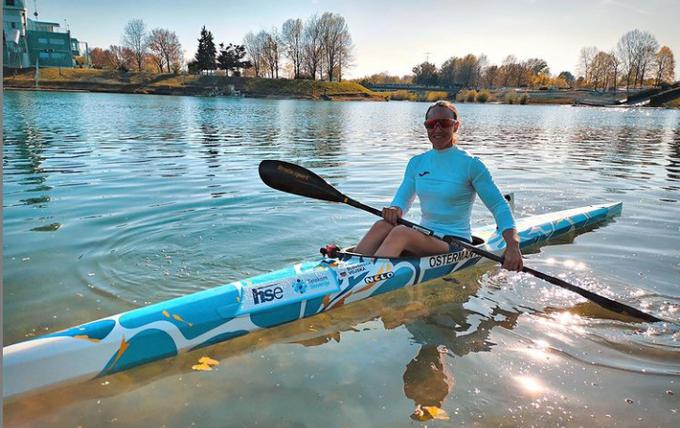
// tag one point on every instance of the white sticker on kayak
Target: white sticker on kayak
(302, 287)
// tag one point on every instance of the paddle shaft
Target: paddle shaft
(596, 298)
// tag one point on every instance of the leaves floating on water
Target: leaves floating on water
(209, 361)
(201, 367)
(425, 413)
(205, 364)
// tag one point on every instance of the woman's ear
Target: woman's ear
(456, 126)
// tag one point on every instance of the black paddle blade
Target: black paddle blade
(297, 180)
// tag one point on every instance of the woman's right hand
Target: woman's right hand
(391, 214)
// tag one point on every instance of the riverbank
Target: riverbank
(92, 80)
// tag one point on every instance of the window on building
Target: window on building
(42, 40)
(56, 41)
(14, 25)
(9, 2)
(58, 55)
(44, 55)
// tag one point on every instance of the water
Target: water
(113, 201)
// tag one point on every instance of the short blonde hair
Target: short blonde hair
(444, 104)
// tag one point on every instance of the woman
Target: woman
(446, 180)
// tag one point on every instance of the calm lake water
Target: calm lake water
(112, 202)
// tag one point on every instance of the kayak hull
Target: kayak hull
(201, 319)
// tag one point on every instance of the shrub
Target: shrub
(460, 96)
(432, 96)
(510, 97)
(403, 95)
(523, 99)
(470, 96)
(483, 96)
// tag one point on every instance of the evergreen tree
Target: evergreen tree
(231, 58)
(206, 53)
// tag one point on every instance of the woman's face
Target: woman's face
(441, 136)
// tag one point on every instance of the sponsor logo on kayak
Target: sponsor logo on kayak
(447, 259)
(355, 269)
(267, 293)
(378, 277)
(299, 286)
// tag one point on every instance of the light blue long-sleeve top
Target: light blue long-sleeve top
(446, 182)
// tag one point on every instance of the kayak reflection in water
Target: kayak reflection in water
(446, 180)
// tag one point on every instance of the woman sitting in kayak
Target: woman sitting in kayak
(445, 179)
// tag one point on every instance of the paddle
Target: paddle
(297, 180)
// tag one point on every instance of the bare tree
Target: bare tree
(270, 44)
(333, 30)
(255, 48)
(345, 54)
(636, 50)
(312, 46)
(134, 38)
(585, 59)
(646, 54)
(291, 36)
(166, 48)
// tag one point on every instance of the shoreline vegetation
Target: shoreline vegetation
(93, 80)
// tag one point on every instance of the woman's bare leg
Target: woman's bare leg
(402, 238)
(373, 238)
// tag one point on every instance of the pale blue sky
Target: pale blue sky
(394, 35)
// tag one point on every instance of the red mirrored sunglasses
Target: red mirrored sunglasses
(443, 123)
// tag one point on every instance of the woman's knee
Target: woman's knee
(382, 225)
(399, 232)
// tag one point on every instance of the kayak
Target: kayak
(184, 324)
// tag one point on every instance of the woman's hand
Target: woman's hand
(512, 258)
(391, 214)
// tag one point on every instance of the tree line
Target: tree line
(318, 48)
(636, 60)
(472, 71)
(157, 50)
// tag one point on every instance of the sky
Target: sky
(393, 36)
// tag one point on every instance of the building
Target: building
(28, 42)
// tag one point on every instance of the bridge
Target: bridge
(654, 97)
(390, 87)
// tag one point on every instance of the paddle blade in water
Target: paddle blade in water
(295, 179)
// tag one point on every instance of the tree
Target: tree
(586, 56)
(312, 47)
(230, 58)
(333, 30)
(291, 36)
(637, 51)
(254, 48)
(426, 74)
(98, 58)
(206, 54)
(166, 48)
(448, 72)
(271, 53)
(134, 38)
(664, 66)
(119, 58)
(490, 76)
(567, 77)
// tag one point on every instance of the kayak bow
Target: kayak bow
(146, 334)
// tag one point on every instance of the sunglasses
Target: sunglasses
(443, 123)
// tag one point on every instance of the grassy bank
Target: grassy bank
(171, 84)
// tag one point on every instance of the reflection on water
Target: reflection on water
(116, 201)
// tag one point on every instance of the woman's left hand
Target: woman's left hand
(512, 258)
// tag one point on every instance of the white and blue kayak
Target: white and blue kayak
(162, 330)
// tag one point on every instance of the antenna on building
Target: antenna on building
(427, 56)
(35, 6)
